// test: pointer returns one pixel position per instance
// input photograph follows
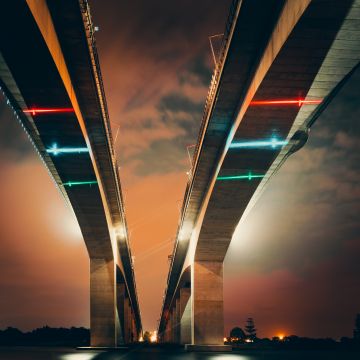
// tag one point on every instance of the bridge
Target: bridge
(50, 74)
(281, 63)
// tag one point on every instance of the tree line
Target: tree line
(249, 335)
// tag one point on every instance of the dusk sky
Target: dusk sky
(294, 262)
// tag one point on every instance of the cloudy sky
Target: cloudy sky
(294, 262)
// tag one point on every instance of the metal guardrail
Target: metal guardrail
(215, 80)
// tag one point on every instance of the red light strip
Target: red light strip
(299, 102)
(34, 111)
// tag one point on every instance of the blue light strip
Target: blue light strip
(249, 177)
(55, 150)
(272, 143)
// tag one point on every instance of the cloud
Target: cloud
(170, 125)
(178, 103)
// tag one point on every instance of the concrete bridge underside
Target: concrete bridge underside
(273, 50)
(48, 61)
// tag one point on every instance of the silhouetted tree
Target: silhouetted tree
(250, 329)
(147, 336)
(10, 336)
(357, 328)
(46, 336)
(237, 334)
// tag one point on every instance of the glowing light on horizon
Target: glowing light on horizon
(74, 183)
(35, 111)
(55, 150)
(298, 102)
(249, 177)
(153, 337)
(272, 143)
(281, 336)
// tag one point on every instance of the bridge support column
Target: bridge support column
(127, 326)
(165, 335)
(207, 306)
(177, 321)
(102, 303)
(168, 330)
(185, 316)
(135, 334)
(120, 295)
(173, 325)
(132, 327)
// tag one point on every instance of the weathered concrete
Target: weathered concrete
(185, 316)
(177, 321)
(168, 328)
(173, 325)
(118, 332)
(102, 303)
(166, 335)
(127, 330)
(133, 329)
(120, 297)
(207, 303)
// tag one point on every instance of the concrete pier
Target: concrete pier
(185, 316)
(207, 302)
(102, 303)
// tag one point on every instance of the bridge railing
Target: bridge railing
(215, 80)
(90, 31)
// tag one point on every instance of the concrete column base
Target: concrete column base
(185, 321)
(208, 348)
(120, 297)
(207, 303)
(102, 303)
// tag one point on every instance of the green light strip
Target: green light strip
(74, 183)
(249, 176)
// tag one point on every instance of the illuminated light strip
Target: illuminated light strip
(273, 143)
(299, 102)
(249, 176)
(55, 150)
(34, 111)
(74, 183)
